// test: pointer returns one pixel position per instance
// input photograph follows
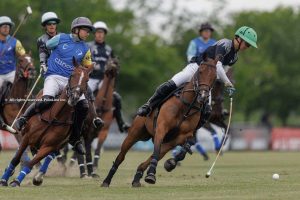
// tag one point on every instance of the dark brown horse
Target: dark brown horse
(104, 109)
(15, 93)
(172, 125)
(49, 131)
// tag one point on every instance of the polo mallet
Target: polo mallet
(10, 128)
(223, 143)
(29, 12)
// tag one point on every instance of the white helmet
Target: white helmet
(49, 16)
(6, 20)
(100, 25)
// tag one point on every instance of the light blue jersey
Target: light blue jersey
(198, 46)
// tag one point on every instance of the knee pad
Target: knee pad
(45, 103)
(82, 107)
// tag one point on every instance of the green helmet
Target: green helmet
(248, 35)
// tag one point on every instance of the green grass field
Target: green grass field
(237, 175)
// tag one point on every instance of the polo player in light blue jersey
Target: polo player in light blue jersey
(199, 44)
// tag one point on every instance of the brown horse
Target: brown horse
(217, 116)
(49, 131)
(104, 109)
(25, 72)
(172, 125)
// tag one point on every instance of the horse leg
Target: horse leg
(73, 159)
(38, 178)
(25, 158)
(89, 159)
(65, 153)
(43, 152)
(135, 133)
(171, 163)
(101, 138)
(14, 162)
(161, 130)
(143, 166)
(81, 164)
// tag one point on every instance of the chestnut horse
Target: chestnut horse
(172, 125)
(217, 117)
(25, 72)
(49, 131)
(104, 109)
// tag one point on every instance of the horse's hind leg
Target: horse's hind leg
(73, 159)
(81, 164)
(14, 162)
(136, 132)
(89, 159)
(101, 138)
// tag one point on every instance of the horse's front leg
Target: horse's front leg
(38, 178)
(161, 130)
(42, 153)
(14, 162)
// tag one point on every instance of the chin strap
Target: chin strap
(240, 43)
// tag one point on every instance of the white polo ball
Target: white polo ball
(275, 176)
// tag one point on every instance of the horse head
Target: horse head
(78, 82)
(25, 67)
(112, 67)
(204, 79)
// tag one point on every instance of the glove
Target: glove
(43, 68)
(230, 91)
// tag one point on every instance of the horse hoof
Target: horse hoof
(104, 184)
(3, 183)
(72, 162)
(94, 175)
(170, 164)
(37, 182)
(83, 176)
(150, 178)
(136, 184)
(15, 183)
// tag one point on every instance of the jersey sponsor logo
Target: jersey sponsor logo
(63, 64)
(65, 46)
(79, 52)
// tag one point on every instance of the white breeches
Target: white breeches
(94, 84)
(186, 75)
(7, 77)
(55, 84)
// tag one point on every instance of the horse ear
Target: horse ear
(29, 53)
(75, 62)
